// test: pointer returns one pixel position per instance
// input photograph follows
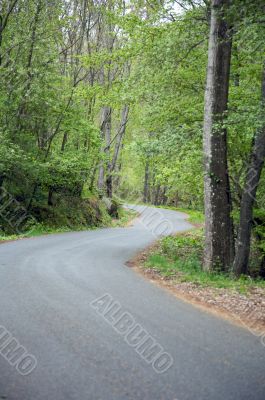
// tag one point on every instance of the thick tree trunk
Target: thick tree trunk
(218, 224)
(249, 194)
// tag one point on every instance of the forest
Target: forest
(160, 102)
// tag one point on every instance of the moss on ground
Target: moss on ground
(70, 214)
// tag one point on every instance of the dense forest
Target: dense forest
(144, 100)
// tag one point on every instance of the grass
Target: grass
(179, 259)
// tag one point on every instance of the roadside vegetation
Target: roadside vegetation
(179, 259)
(100, 99)
(176, 263)
(81, 222)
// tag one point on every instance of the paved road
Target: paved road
(47, 286)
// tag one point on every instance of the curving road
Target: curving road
(47, 305)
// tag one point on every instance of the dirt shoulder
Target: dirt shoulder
(246, 310)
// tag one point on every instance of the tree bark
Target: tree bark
(1, 38)
(105, 135)
(2, 178)
(156, 195)
(249, 193)
(65, 138)
(50, 197)
(121, 133)
(146, 183)
(119, 138)
(218, 225)
(164, 196)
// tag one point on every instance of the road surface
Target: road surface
(47, 305)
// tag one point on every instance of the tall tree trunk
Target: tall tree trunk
(107, 151)
(50, 197)
(164, 196)
(119, 138)
(101, 177)
(249, 193)
(218, 224)
(105, 135)
(93, 174)
(109, 186)
(146, 183)
(1, 37)
(120, 135)
(156, 195)
(2, 178)
(65, 138)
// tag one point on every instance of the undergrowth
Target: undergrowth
(179, 258)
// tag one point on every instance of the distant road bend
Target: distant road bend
(48, 287)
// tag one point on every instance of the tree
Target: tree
(253, 174)
(217, 200)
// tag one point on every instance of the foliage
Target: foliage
(179, 258)
(63, 63)
(91, 215)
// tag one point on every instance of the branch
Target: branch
(11, 8)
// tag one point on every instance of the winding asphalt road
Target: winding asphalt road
(47, 286)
